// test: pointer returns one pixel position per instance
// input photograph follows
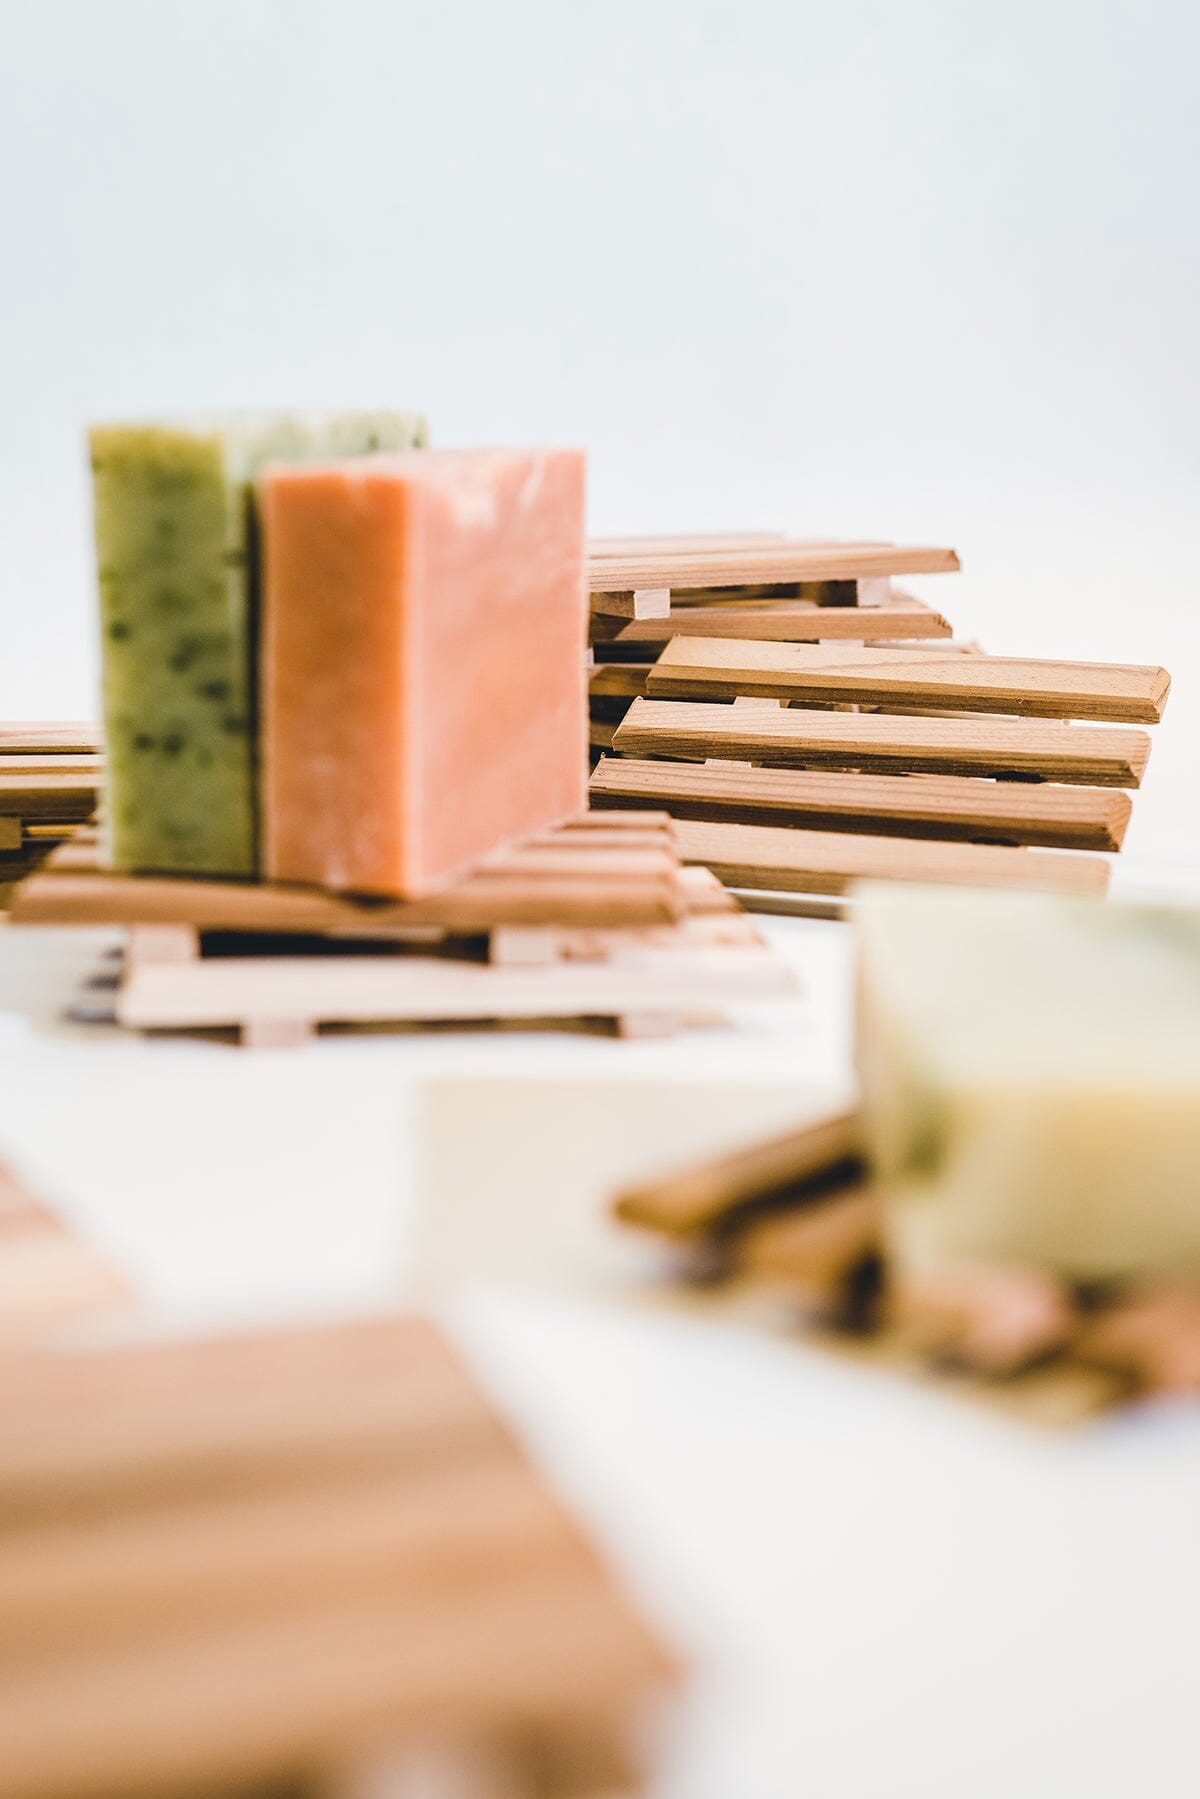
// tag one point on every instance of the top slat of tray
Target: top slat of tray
(46, 739)
(585, 874)
(341, 1539)
(782, 736)
(721, 668)
(770, 562)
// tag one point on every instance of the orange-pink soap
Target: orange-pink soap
(423, 689)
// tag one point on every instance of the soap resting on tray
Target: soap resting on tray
(424, 697)
(177, 553)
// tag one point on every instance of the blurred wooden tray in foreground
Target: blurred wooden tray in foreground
(297, 1560)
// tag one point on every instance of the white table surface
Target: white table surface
(883, 1590)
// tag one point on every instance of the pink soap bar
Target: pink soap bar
(423, 688)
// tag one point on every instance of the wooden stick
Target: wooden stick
(692, 1199)
(784, 736)
(770, 562)
(642, 603)
(764, 856)
(945, 806)
(715, 668)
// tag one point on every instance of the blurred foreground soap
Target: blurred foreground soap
(1031, 1079)
(424, 689)
(176, 545)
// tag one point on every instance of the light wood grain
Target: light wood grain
(773, 562)
(715, 668)
(955, 807)
(765, 856)
(1044, 749)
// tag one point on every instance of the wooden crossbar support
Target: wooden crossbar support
(783, 621)
(1042, 749)
(716, 668)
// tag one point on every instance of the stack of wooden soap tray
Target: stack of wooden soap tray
(810, 727)
(49, 777)
(595, 921)
(313, 1561)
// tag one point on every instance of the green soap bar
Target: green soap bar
(177, 554)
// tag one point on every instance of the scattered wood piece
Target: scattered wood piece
(1090, 755)
(716, 668)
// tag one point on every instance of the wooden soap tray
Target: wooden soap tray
(598, 920)
(796, 1219)
(837, 763)
(49, 778)
(311, 1561)
(647, 590)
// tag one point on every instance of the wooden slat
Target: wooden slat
(947, 806)
(39, 738)
(769, 562)
(46, 797)
(694, 1198)
(715, 668)
(32, 765)
(765, 856)
(1045, 749)
(787, 621)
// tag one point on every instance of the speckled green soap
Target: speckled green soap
(177, 554)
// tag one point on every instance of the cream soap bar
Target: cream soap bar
(1030, 1071)
(176, 544)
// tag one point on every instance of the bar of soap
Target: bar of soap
(424, 688)
(1030, 1072)
(176, 544)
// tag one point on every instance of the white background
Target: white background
(926, 270)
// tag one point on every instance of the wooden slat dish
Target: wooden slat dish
(234, 1564)
(715, 668)
(1042, 749)
(944, 806)
(824, 862)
